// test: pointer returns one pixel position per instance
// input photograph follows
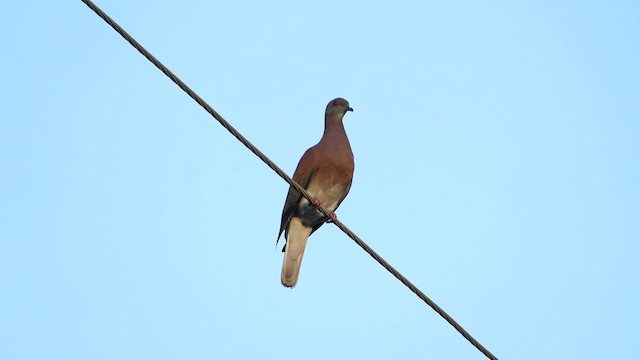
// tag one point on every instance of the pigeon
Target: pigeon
(325, 171)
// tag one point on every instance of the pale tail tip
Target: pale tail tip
(289, 285)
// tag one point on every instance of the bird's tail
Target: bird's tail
(294, 251)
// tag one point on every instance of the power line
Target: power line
(286, 177)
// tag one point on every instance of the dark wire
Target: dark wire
(286, 177)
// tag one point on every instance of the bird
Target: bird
(326, 172)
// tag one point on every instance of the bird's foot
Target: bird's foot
(316, 204)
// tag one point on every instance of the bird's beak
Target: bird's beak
(349, 109)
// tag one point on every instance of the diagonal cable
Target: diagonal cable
(286, 177)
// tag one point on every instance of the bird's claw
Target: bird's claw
(332, 216)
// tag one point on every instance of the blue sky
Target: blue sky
(497, 168)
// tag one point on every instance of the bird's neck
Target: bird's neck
(334, 134)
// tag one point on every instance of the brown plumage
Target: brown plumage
(325, 171)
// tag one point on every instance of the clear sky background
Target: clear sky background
(496, 146)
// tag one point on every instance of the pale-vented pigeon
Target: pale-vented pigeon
(325, 171)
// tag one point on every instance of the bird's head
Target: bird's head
(338, 107)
